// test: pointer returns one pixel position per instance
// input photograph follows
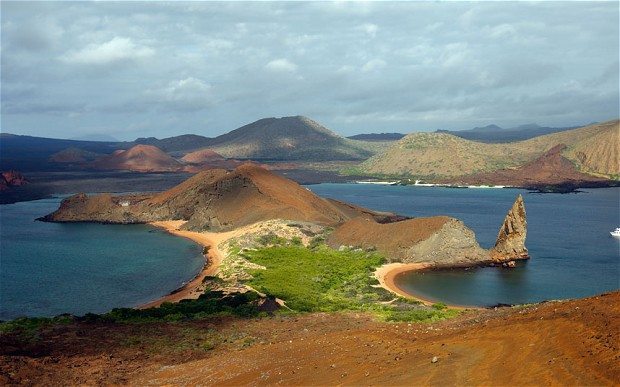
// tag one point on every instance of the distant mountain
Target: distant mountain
(592, 149)
(139, 158)
(496, 134)
(28, 153)
(377, 136)
(96, 137)
(74, 156)
(202, 156)
(184, 142)
(288, 138)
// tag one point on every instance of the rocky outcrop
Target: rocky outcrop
(510, 243)
(11, 179)
(439, 240)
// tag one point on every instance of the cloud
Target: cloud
(370, 29)
(116, 50)
(373, 65)
(281, 65)
(185, 94)
(160, 69)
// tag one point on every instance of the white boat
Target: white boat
(615, 233)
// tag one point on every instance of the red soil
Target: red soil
(140, 158)
(549, 169)
(554, 343)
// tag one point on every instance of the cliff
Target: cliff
(510, 243)
(11, 179)
(440, 240)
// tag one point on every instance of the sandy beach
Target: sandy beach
(192, 289)
(387, 274)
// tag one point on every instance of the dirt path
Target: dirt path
(568, 343)
(554, 343)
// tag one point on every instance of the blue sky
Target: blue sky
(136, 69)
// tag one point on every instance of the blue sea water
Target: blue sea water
(573, 254)
(51, 268)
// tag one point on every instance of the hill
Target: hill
(288, 138)
(377, 136)
(592, 149)
(552, 168)
(183, 142)
(496, 134)
(74, 156)
(28, 153)
(202, 156)
(139, 158)
(216, 200)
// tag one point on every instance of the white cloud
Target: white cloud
(370, 29)
(373, 65)
(187, 94)
(281, 65)
(116, 50)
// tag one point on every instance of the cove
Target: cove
(568, 238)
(51, 268)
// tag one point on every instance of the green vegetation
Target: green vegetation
(209, 304)
(320, 279)
(309, 279)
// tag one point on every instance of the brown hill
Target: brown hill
(140, 158)
(202, 156)
(208, 159)
(216, 200)
(438, 241)
(549, 169)
(593, 149)
(74, 155)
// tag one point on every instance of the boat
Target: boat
(615, 233)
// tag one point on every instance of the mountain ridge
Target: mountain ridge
(592, 149)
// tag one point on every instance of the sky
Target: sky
(138, 69)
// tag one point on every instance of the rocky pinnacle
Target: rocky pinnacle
(510, 243)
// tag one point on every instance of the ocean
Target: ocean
(51, 268)
(572, 252)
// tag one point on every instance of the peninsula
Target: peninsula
(217, 205)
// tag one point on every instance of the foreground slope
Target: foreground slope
(553, 343)
(592, 149)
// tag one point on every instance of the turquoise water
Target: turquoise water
(572, 253)
(51, 268)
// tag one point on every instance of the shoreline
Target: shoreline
(213, 260)
(386, 275)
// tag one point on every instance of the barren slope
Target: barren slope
(593, 149)
(550, 168)
(554, 343)
(214, 199)
(139, 158)
(288, 138)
